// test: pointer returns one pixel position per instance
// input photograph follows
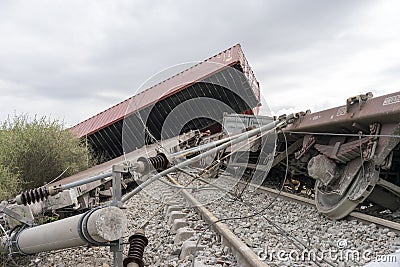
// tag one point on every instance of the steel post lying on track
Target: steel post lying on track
(173, 156)
(213, 144)
(86, 181)
(98, 226)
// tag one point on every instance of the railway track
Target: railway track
(247, 230)
(173, 235)
(393, 226)
(375, 235)
(244, 255)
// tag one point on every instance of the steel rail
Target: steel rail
(244, 254)
(353, 215)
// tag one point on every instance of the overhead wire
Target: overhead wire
(55, 179)
(284, 233)
(244, 217)
(233, 218)
(145, 128)
(203, 172)
(343, 134)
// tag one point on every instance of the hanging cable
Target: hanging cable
(286, 235)
(344, 134)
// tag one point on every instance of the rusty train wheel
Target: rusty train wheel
(336, 206)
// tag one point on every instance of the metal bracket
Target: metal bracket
(117, 248)
(360, 99)
(308, 142)
(121, 168)
(282, 155)
(369, 152)
(117, 174)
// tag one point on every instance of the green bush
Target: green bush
(9, 183)
(36, 150)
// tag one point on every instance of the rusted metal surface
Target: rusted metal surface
(180, 81)
(383, 109)
(321, 168)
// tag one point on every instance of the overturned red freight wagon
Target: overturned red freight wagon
(225, 79)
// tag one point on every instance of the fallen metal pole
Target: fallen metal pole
(35, 195)
(193, 150)
(98, 226)
(86, 181)
(268, 127)
(173, 156)
(39, 194)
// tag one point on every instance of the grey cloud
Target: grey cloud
(104, 50)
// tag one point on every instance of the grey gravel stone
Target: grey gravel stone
(259, 231)
(391, 234)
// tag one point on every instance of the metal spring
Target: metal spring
(159, 162)
(34, 195)
(137, 243)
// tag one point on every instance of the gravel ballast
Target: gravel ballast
(283, 233)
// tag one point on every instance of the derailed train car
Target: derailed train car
(345, 156)
(219, 84)
(351, 152)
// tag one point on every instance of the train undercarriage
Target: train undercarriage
(344, 156)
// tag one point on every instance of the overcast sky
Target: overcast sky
(73, 59)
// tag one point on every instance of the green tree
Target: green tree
(34, 151)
